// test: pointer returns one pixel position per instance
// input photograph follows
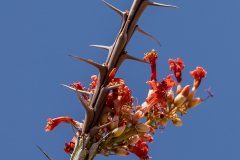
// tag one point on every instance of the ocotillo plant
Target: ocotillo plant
(111, 124)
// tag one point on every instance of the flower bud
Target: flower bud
(194, 102)
(181, 97)
(134, 139)
(163, 121)
(136, 117)
(120, 151)
(115, 122)
(144, 107)
(141, 127)
(191, 94)
(170, 95)
(179, 88)
(118, 131)
(177, 122)
(149, 95)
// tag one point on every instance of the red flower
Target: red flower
(115, 81)
(124, 96)
(70, 146)
(79, 87)
(94, 83)
(177, 67)
(159, 94)
(198, 74)
(169, 81)
(52, 123)
(110, 100)
(152, 57)
(140, 149)
(111, 75)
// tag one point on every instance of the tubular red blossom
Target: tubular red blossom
(152, 57)
(79, 87)
(114, 81)
(125, 95)
(70, 146)
(177, 66)
(52, 123)
(111, 75)
(94, 83)
(110, 100)
(169, 81)
(198, 74)
(160, 90)
(140, 149)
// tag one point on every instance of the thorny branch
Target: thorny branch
(116, 52)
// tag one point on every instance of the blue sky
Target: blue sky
(36, 37)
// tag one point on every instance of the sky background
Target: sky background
(36, 37)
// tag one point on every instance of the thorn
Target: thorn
(121, 13)
(89, 111)
(80, 91)
(74, 133)
(45, 153)
(95, 129)
(100, 46)
(143, 32)
(125, 56)
(107, 109)
(136, 59)
(112, 87)
(105, 125)
(99, 66)
(161, 5)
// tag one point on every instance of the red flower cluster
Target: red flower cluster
(122, 118)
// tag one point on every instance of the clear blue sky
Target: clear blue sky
(37, 35)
